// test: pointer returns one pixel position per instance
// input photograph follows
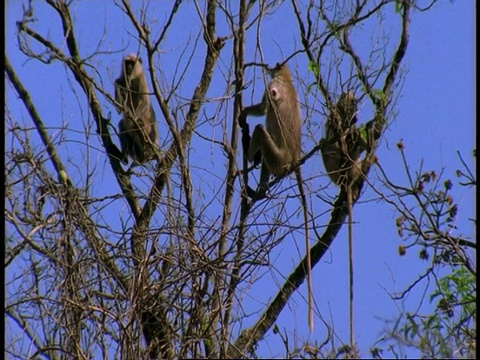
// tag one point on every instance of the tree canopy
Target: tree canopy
(173, 258)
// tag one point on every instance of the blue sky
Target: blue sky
(435, 119)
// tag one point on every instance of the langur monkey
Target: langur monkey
(341, 152)
(138, 129)
(343, 145)
(279, 143)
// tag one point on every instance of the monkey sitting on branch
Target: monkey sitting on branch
(341, 150)
(138, 130)
(343, 144)
(279, 144)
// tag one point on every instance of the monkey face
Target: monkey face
(130, 65)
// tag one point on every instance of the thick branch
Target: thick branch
(401, 50)
(250, 337)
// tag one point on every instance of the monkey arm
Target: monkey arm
(119, 98)
(257, 110)
(125, 142)
(255, 142)
(144, 108)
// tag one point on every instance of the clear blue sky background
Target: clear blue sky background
(436, 118)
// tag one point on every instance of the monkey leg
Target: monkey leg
(276, 158)
(263, 185)
(145, 138)
(126, 142)
(262, 188)
(256, 142)
(257, 159)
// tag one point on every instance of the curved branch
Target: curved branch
(401, 50)
(250, 337)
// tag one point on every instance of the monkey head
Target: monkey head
(281, 84)
(132, 67)
(347, 108)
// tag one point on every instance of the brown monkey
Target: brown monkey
(343, 144)
(138, 129)
(280, 144)
(341, 152)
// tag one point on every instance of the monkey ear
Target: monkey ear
(274, 93)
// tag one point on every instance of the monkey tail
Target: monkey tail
(307, 247)
(350, 263)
